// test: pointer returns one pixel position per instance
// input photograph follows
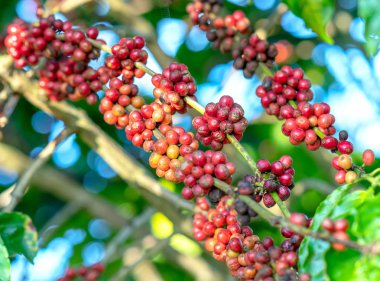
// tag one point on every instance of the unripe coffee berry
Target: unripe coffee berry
(345, 161)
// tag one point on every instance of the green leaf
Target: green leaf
(367, 267)
(5, 265)
(312, 251)
(19, 234)
(340, 264)
(315, 13)
(361, 209)
(369, 11)
(368, 223)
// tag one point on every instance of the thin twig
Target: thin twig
(8, 110)
(272, 20)
(280, 204)
(41, 159)
(157, 248)
(125, 233)
(315, 184)
(200, 268)
(62, 216)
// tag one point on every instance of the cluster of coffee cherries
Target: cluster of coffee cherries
(173, 85)
(246, 256)
(198, 170)
(271, 177)
(119, 70)
(123, 58)
(117, 97)
(91, 273)
(222, 31)
(202, 12)
(233, 33)
(338, 230)
(142, 123)
(166, 151)
(287, 96)
(252, 51)
(150, 127)
(66, 73)
(219, 120)
(346, 169)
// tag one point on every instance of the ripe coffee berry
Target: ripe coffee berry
(368, 157)
(299, 219)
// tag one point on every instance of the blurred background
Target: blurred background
(342, 75)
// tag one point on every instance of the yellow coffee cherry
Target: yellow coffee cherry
(351, 176)
(345, 161)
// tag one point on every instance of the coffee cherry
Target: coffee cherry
(263, 165)
(341, 225)
(298, 219)
(368, 157)
(340, 177)
(286, 161)
(268, 200)
(328, 224)
(277, 168)
(345, 161)
(350, 177)
(304, 277)
(283, 192)
(341, 236)
(345, 147)
(235, 245)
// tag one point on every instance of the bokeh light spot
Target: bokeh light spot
(196, 40)
(162, 227)
(165, 30)
(185, 245)
(93, 253)
(99, 229)
(42, 122)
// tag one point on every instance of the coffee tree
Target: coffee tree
(214, 182)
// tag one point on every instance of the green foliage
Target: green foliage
(19, 234)
(360, 208)
(7, 12)
(5, 265)
(369, 11)
(315, 13)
